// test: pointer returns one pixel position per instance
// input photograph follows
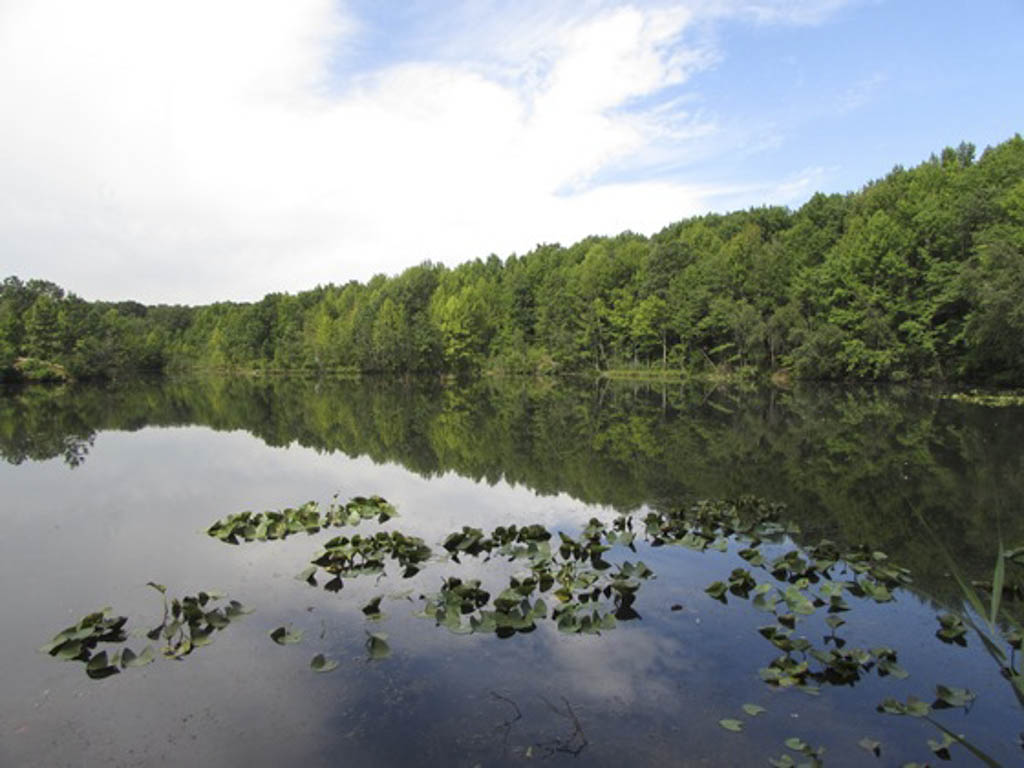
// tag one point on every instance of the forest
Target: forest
(918, 275)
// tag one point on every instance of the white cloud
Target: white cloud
(190, 151)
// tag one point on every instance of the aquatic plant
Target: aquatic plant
(577, 583)
(280, 524)
(188, 623)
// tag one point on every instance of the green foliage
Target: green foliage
(377, 647)
(188, 623)
(358, 555)
(34, 370)
(271, 525)
(282, 636)
(40, 322)
(321, 664)
(917, 275)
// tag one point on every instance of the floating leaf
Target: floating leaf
(914, 707)
(282, 636)
(948, 696)
(731, 725)
(130, 660)
(69, 650)
(717, 590)
(797, 601)
(201, 637)
(372, 608)
(753, 709)
(377, 646)
(952, 630)
(320, 664)
(236, 609)
(941, 748)
(917, 708)
(97, 662)
(834, 622)
(98, 667)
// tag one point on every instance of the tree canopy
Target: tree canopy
(919, 274)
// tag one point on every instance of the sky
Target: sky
(194, 151)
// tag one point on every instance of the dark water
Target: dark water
(104, 489)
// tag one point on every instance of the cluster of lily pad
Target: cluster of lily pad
(568, 580)
(801, 583)
(188, 623)
(361, 555)
(280, 524)
(79, 642)
(588, 596)
(510, 541)
(819, 577)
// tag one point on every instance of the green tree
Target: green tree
(42, 329)
(391, 340)
(650, 327)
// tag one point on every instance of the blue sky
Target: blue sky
(873, 85)
(189, 151)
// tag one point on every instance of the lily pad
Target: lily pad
(377, 645)
(282, 636)
(99, 667)
(717, 589)
(321, 664)
(372, 608)
(130, 659)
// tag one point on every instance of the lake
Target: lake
(568, 650)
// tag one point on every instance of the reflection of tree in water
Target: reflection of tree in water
(76, 449)
(39, 424)
(848, 462)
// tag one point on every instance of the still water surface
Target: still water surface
(107, 488)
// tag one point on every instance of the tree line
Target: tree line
(919, 274)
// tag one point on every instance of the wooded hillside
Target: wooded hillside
(917, 275)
